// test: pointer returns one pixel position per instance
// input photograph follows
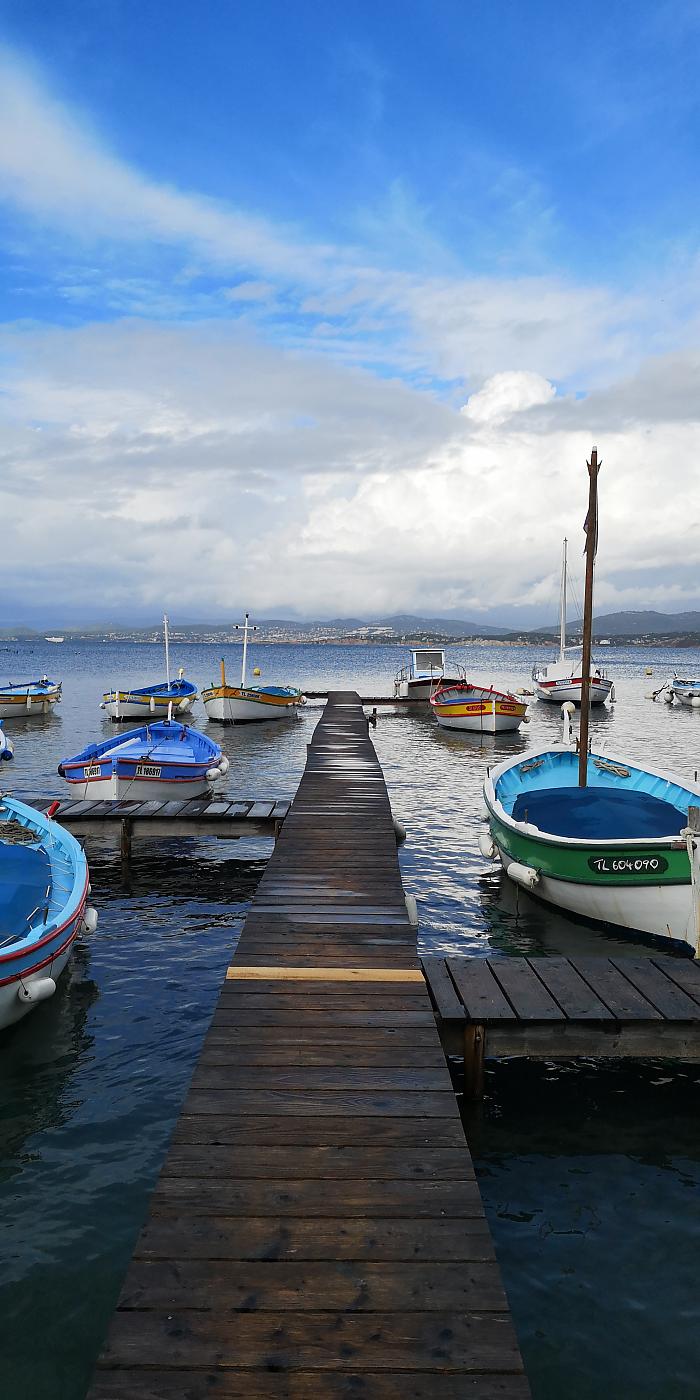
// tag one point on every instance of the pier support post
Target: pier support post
(474, 1050)
(125, 842)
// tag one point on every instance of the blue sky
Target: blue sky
(362, 271)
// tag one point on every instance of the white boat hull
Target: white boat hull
(665, 911)
(689, 698)
(144, 710)
(12, 1007)
(420, 690)
(115, 788)
(561, 691)
(227, 710)
(486, 723)
(35, 705)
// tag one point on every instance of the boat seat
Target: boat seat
(25, 874)
(599, 814)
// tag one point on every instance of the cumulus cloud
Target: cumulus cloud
(507, 393)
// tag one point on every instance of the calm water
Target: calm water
(590, 1174)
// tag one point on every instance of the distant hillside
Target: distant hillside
(634, 624)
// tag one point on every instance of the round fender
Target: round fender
(40, 990)
(213, 774)
(224, 765)
(90, 917)
(486, 845)
(524, 875)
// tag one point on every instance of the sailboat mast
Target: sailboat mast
(562, 605)
(167, 648)
(591, 528)
(245, 651)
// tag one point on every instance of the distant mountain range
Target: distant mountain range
(634, 624)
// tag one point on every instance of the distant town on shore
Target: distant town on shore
(646, 628)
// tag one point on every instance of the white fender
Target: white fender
(212, 775)
(152, 705)
(669, 697)
(399, 831)
(486, 845)
(224, 765)
(411, 909)
(568, 709)
(524, 875)
(695, 702)
(90, 917)
(41, 990)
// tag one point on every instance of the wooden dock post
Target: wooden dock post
(474, 1052)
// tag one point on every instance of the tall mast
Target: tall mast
(562, 605)
(167, 648)
(591, 529)
(246, 629)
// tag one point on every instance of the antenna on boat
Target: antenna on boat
(167, 649)
(591, 528)
(562, 605)
(246, 629)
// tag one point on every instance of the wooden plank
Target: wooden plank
(329, 1163)
(261, 811)
(324, 974)
(362, 1103)
(247, 1130)
(129, 1384)
(481, 995)
(684, 972)
(447, 1003)
(292, 1285)
(653, 984)
(526, 993)
(620, 997)
(577, 1000)
(309, 1078)
(565, 1040)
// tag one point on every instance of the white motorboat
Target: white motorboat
(424, 673)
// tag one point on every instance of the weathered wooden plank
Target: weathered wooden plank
(219, 1127)
(620, 997)
(330, 1163)
(362, 1103)
(481, 995)
(577, 1000)
(526, 993)
(653, 984)
(210, 1384)
(442, 991)
(331, 1238)
(685, 972)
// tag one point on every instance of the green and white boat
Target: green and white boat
(600, 835)
(618, 851)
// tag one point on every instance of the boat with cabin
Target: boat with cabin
(34, 698)
(477, 709)
(562, 680)
(424, 673)
(164, 698)
(164, 759)
(44, 889)
(603, 836)
(249, 704)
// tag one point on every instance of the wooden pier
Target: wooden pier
(557, 1008)
(317, 1230)
(205, 816)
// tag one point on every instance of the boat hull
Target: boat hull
(13, 1008)
(127, 707)
(558, 692)
(117, 788)
(420, 689)
(229, 705)
(17, 706)
(481, 717)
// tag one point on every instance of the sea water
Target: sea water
(590, 1174)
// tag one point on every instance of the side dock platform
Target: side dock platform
(317, 1230)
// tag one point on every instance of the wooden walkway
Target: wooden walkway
(561, 1008)
(317, 1230)
(198, 816)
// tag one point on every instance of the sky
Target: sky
(317, 310)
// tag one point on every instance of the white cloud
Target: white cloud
(507, 393)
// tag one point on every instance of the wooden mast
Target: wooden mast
(591, 528)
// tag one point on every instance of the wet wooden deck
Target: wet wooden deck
(198, 816)
(317, 1230)
(563, 1008)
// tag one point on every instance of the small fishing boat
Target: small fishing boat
(44, 887)
(684, 689)
(562, 679)
(29, 697)
(249, 704)
(164, 759)
(424, 673)
(140, 702)
(603, 836)
(477, 709)
(7, 747)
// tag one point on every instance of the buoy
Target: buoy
(90, 917)
(524, 875)
(648, 671)
(256, 670)
(40, 990)
(486, 845)
(668, 697)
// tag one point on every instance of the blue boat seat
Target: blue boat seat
(599, 814)
(25, 873)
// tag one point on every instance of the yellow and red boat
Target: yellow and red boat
(248, 704)
(478, 709)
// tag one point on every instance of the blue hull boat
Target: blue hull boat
(161, 760)
(29, 697)
(43, 906)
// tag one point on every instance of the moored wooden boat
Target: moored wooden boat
(686, 690)
(160, 760)
(165, 698)
(29, 697)
(44, 887)
(424, 673)
(249, 704)
(477, 709)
